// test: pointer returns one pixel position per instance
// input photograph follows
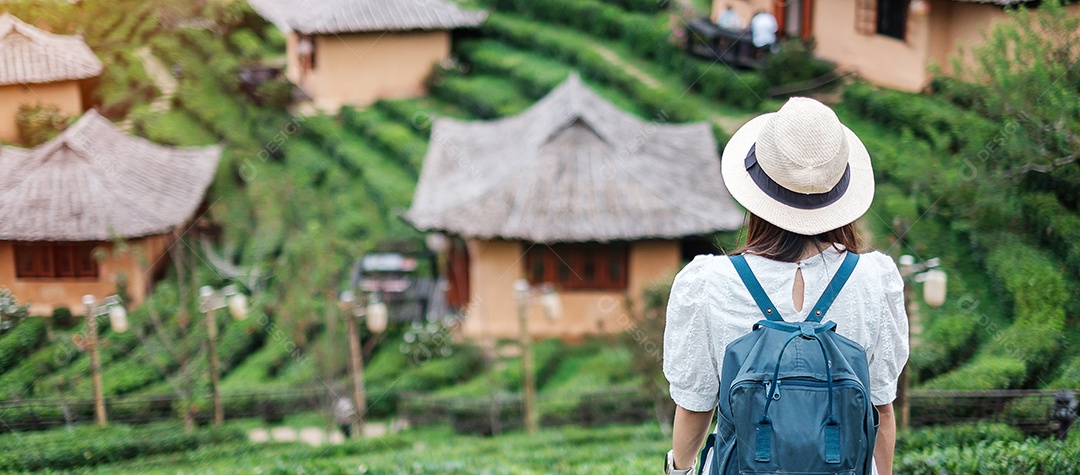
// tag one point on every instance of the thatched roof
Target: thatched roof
(572, 168)
(355, 16)
(32, 55)
(93, 182)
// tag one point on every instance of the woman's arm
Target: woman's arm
(886, 440)
(688, 434)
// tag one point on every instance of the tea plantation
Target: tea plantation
(297, 196)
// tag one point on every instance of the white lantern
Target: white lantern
(934, 283)
(437, 243)
(919, 7)
(550, 302)
(238, 306)
(118, 319)
(521, 289)
(907, 260)
(377, 316)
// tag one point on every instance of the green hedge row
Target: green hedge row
(642, 34)
(20, 341)
(1031, 456)
(485, 97)
(1060, 226)
(388, 183)
(1024, 350)
(646, 6)
(534, 75)
(1069, 377)
(123, 85)
(89, 445)
(419, 113)
(662, 104)
(647, 34)
(957, 435)
(397, 140)
(938, 122)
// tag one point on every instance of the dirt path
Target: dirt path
(163, 81)
(162, 78)
(315, 436)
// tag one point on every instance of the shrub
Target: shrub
(89, 445)
(38, 124)
(62, 318)
(1059, 226)
(983, 373)
(947, 340)
(247, 43)
(646, 6)
(794, 62)
(660, 104)
(1070, 376)
(647, 34)
(1026, 348)
(485, 97)
(275, 93)
(958, 435)
(995, 458)
(20, 342)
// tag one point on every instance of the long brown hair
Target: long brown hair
(768, 240)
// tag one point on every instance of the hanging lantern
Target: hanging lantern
(238, 306)
(934, 283)
(521, 289)
(437, 242)
(118, 319)
(920, 7)
(377, 316)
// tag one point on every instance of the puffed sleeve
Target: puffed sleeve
(689, 364)
(890, 352)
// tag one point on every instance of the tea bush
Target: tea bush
(89, 445)
(20, 341)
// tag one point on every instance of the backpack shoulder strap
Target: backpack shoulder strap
(837, 283)
(760, 297)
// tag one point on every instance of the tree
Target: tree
(1025, 78)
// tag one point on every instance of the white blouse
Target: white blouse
(710, 307)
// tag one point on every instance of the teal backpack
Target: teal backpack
(794, 397)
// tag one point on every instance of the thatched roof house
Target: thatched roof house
(358, 51)
(94, 183)
(31, 55)
(352, 16)
(38, 67)
(91, 185)
(894, 43)
(574, 192)
(571, 168)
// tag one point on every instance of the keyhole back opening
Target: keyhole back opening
(797, 290)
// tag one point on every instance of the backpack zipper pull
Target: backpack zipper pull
(776, 395)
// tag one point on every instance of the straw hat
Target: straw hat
(799, 168)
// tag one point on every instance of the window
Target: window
(892, 18)
(866, 16)
(55, 259)
(578, 266)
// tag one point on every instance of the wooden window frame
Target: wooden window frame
(866, 17)
(806, 19)
(579, 266)
(55, 260)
